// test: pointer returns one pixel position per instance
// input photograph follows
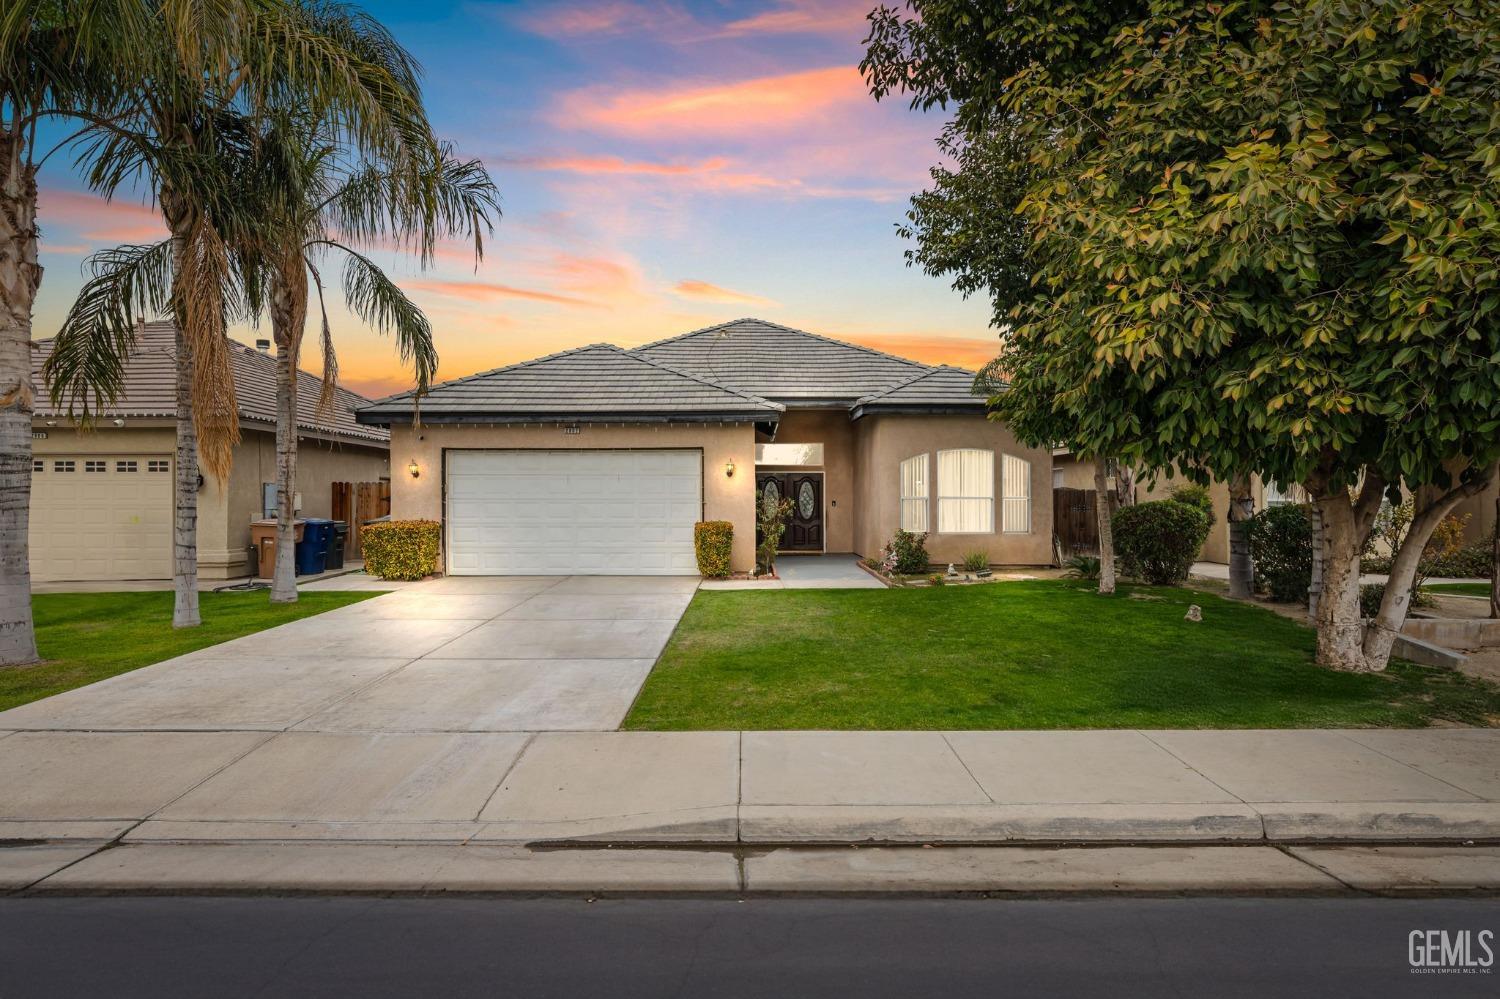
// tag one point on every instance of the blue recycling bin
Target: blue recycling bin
(312, 550)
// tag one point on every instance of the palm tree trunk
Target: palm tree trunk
(1104, 508)
(1495, 565)
(185, 484)
(20, 276)
(1241, 567)
(288, 316)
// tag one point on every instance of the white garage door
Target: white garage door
(101, 517)
(601, 513)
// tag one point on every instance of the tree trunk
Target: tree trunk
(1340, 628)
(1241, 567)
(288, 314)
(1495, 565)
(1104, 508)
(185, 484)
(20, 276)
(1398, 586)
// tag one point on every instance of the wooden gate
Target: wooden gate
(1075, 521)
(357, 503)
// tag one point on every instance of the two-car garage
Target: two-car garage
(574, 511)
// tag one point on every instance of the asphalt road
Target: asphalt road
(450, 947)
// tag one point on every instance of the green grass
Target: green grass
(1460, 589)
(1043, 654)
(84, 637)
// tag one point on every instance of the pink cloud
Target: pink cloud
(94, 218)
(768, 103)
(618, 165)
(703, 291)
(483, 291)
(797, 17)
(675, 24)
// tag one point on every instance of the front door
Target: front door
(804, 529)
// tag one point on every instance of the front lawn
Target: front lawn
(1459, 589)
(84, 637)
(1036, 654)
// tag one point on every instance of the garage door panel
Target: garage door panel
(579, 511)
(109, 518)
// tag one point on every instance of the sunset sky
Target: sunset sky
(664, 166)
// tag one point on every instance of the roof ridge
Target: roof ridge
(925, 372)
(789, 329)
(749, 396)
(261, 355)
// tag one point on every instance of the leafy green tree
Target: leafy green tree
(1265, 238)
(180, 132)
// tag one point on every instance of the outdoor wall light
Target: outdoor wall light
(729, 469)
(414, 469)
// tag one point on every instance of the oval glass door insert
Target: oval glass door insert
(806, 501)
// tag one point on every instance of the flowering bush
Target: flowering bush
(905, 554)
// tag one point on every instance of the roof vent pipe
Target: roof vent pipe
(264, 346)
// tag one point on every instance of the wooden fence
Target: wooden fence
(1075, 521)
(356, 503)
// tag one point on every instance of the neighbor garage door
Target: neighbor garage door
(562, 512)
(101, 517)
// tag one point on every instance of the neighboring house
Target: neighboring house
(599, 460)
(101, 498)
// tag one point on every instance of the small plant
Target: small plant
(1195, 496)
(713, 540)
(937, 579)
(401, 549)
(1281, 545)
(976, 561)
(1082, 567)
(905, 555)
(1159, 541)
(773, 517)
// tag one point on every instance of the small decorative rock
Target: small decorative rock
(952, 571)
(1195, 613)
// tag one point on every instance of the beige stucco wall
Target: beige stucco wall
(1072, 473)
(1481, 513)
(883, 442)
(832, 429)
(725, 497)
(320, 463)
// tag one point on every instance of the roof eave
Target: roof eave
(387, 419)
(978, 408)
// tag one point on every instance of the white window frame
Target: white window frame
(1275, 495)
(973, 492)
(1015, 472)
(915, 493)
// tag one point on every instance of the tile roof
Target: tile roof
(150, 388)
(939, 388)
(599, 382)
(781, 363)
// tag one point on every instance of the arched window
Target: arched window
(914, 494)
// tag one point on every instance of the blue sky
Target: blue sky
(663, 166)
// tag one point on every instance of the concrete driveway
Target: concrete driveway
(461, 654)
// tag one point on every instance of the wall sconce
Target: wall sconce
(414, 469)
(729, 469)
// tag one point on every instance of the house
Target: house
(599, 460)
(101, 498)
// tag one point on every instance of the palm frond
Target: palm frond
(327, 394)
(86, 370)
(204, 274)
(377, 300)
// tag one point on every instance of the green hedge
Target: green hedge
(1159, 541)
(401, 549)
(1281, 546)
(713, 540)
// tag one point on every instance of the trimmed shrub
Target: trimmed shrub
(905, 554)
(1195, 496)
(401, 549)
(1476, 561)
(1160, 540)
(1281, 545)
(712, 542)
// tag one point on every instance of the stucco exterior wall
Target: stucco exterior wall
(832, 429)
(320, 463)
(725, 497)
(883, 442)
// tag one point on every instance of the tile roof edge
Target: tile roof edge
(403, 396)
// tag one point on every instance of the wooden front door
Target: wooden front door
(804, 529)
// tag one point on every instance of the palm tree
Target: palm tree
(319, 204)
(67, 59)
(182, 137)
